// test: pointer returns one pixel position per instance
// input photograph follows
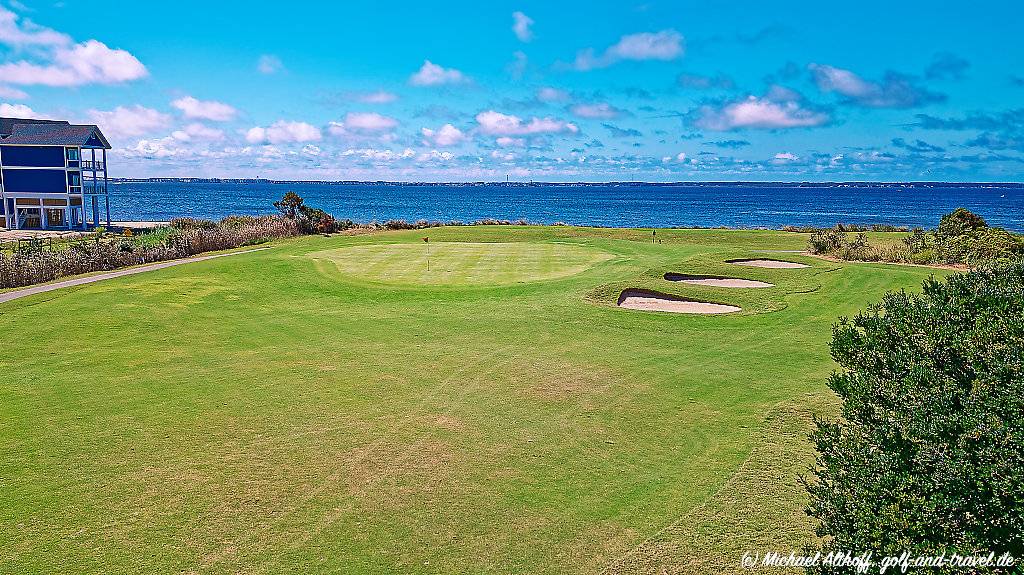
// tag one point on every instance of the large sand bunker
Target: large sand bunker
(765, 263)
(716, 281)
(653, 301)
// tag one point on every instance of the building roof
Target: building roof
(51, 133)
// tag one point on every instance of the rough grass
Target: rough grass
(272, 413)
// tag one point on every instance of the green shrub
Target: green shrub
(977, 246)
(961, 238)
(315, 220)
(917, 240)
(290, 205)
(826, 241)
(929, 454)
(924, 257)
(959, 222)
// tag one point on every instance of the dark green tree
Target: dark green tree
(928, 456)
(959, 222)
(290, 205)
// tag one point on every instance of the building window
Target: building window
(29, 219)
(74, 179)
(55, 218)
(73, 154)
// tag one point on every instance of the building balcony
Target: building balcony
(95, 166)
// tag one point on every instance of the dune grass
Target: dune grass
(324, 406)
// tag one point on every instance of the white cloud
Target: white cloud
(269, 64)
(548, 94)
(785, 157)
(435, 155)
(12, 93)
(680, 157)
(157, 148)
(764, 113)
(602, 110)
(197, 131)
(664, 45)
(25, 33)
(446, 135)
(90, 62)
(311, 150)
(363, 124)
(17, 111)
(204, 109)
(369, 122)
(508, 142)
(894, 91)
(498, 124)
(379, 155)
(845, 82)
(521, 26)
(282, 131)
(129, 121)
(518, 66)
(431, 74)
(378, 97)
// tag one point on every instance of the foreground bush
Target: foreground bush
(187, 239)
(929, 454)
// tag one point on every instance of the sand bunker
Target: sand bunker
(654, 301)
(716, 281)
(762, 263)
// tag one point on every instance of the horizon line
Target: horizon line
(571, 183)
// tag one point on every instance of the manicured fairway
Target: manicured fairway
(328, 405)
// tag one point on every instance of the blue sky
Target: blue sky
(550, 91)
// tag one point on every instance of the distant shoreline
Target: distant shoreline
(1007, 185)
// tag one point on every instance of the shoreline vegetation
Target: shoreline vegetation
(35, 262)
(961, 239)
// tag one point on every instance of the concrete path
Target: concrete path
(19, 293)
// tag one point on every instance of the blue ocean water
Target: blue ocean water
(615, 205)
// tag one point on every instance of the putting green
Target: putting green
(463, 263)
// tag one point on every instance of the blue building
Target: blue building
(53, 175)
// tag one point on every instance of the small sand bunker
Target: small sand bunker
(764, 263)
(716, 281)
(653, 301)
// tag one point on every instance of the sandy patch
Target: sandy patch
(774, 264)
(715, 281)
(652, 301)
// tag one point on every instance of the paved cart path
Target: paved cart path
(19, 293)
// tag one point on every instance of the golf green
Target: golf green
(329, 405)
(463, 263)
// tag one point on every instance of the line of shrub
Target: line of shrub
(183, 238)
(847, 228)
(961, 238)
